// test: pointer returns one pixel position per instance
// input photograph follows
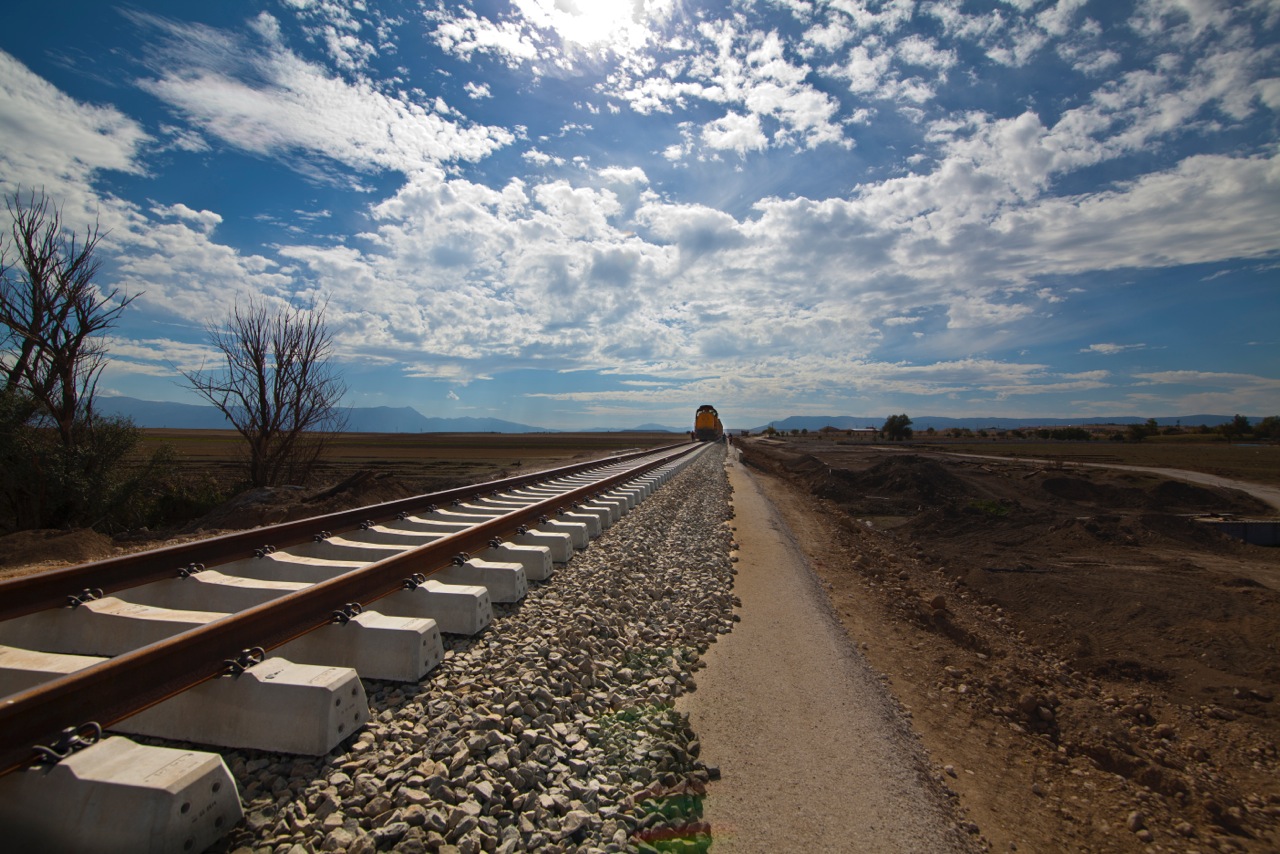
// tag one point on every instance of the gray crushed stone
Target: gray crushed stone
(552, 731)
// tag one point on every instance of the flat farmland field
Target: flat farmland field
(1254, 462)
(455, 458)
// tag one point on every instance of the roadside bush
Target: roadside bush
(48, 483)
(160, 494)
(94, 482)
(1066, 434)
(1138, 432)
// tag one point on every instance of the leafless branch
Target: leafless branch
(277, 388)
(52, 314)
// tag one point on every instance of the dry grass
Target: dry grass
(465, 457)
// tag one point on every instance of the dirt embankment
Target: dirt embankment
(25, 552)
(1090, 668)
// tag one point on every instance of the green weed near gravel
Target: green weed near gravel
(998, 509)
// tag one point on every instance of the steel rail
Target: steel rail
(112, 690)
(30, 593)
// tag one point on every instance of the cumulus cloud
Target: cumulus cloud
(266, 99)
(204, 221)
(735, 132)
(740, 235)
(166, 255)
(464, 33)
(63, 145)
(966, 238)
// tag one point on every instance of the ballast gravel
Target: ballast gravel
(554, 730)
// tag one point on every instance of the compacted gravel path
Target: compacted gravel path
(557, 729)
(554, 730)
(814, 753)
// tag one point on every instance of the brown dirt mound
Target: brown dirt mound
(906, 481)
(1175, 496)
(1082, 490)
(51, 546)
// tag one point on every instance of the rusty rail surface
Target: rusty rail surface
(127, 684)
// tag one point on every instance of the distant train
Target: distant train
(706, 424)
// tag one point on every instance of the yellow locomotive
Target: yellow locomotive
(706, 424)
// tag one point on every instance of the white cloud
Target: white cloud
(205, 221)
(1208, 208)
(1112, 349)
(619, 175)
(621, 26)
(1057, 20)
(735, 132)
(462, 32)
(169, 258)
(916, 50)
(1209, 379)
(1269, 92)
(182, 271)
(541, 158)
(827, 37)
(267, 100)
(888, 17)
(184, 139)
(751, 73)
(978, 313)
(622, 269)
(157, 356)
(51, 141)
(1206, 391)
(339, 27)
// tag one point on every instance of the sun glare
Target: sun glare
(589, 23)
(596, 21)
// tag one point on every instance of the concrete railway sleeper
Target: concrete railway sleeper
(182, 654)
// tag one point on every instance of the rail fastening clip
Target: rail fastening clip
(347, 613)
(190, 570)
(75, 600)
(246, 659)
(71, 740)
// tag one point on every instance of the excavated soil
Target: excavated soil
(1089, 667)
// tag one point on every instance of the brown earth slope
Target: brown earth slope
(1090, 668)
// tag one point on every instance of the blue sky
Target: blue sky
(607, 212)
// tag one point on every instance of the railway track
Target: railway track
(259, 640)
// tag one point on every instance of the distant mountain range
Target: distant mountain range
(406, 419)
(924, 422)
(360, 419)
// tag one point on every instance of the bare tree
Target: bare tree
(52, 314)
(276, 387)
(60, 464)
